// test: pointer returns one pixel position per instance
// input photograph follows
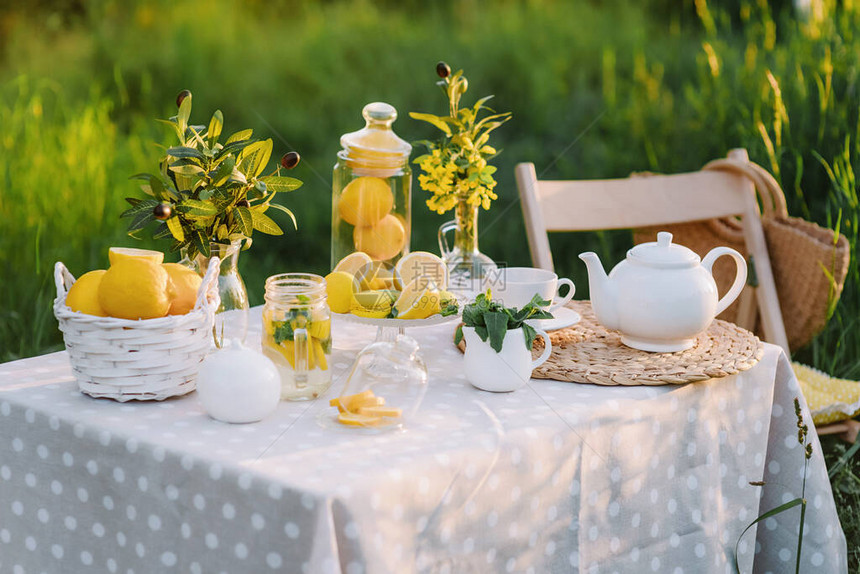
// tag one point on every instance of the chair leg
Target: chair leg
(847, 430)
(747, 309)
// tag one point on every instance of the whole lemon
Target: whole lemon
(135, 289)
(186, 283)
(383, 240)
(340, 290)
(365, 201)
(84, 294)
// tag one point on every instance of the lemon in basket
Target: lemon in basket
(84, 294)
(185, 284)
(135, 289)
(117, 254)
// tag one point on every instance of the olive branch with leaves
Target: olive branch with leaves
(206, 191)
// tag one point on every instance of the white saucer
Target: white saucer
(562, 317)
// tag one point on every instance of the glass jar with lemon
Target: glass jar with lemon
(297, 333)
(371, 190)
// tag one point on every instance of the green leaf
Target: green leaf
(141, 220)
(201, 242)
(215, 126)
(265, 224)
(184, 152)
(233, 147)
(781, 508)
(480, 103)
(530, 335)
(141, 206)
(278, 183)
(481, 331)
(187, 169)
(174, 126)
(158, 188)
(430, 118)
(198, 208)
(458, 335)
(175, 227)
(287, 211)
(143, 176)
(245, 220)
(255, 157)
(240, 135)
(497, 328)
(184, 113)
(224, 171)
(162, 231)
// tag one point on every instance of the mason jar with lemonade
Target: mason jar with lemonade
(297, 333)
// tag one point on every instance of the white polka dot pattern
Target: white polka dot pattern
(553, 477)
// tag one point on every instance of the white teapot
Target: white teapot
(662, 295)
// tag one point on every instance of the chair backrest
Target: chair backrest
(633, 202)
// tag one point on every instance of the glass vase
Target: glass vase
(231, 318)
(468, 268)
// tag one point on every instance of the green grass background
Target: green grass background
(597, 89)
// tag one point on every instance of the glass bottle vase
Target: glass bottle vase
(231, 318)
(468, 268)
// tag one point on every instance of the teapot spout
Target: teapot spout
(602, 292)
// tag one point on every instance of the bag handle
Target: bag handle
(767, 188)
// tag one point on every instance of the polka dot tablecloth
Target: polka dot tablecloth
(556, 477)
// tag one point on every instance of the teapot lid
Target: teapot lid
(663, 253)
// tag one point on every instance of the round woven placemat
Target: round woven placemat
(589, 353)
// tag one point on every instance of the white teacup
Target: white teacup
(515, 287)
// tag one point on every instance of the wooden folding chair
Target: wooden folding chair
(630, 203)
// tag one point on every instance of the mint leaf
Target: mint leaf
(458, 335)
(530, 335)
(482, 333)
(497, 328)
(450, 308)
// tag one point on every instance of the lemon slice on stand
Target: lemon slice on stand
(423, 266)
(418, 300)
(353, 263)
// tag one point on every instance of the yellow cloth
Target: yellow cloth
(829, 399)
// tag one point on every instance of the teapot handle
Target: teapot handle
(740, 277)
(444, 248)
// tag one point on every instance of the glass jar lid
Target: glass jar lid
(375, 146)
(295, 289)
(663, 253)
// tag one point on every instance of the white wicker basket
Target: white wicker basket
(148, 359)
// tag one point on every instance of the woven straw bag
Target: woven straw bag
(150, 359)
(809, 262)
